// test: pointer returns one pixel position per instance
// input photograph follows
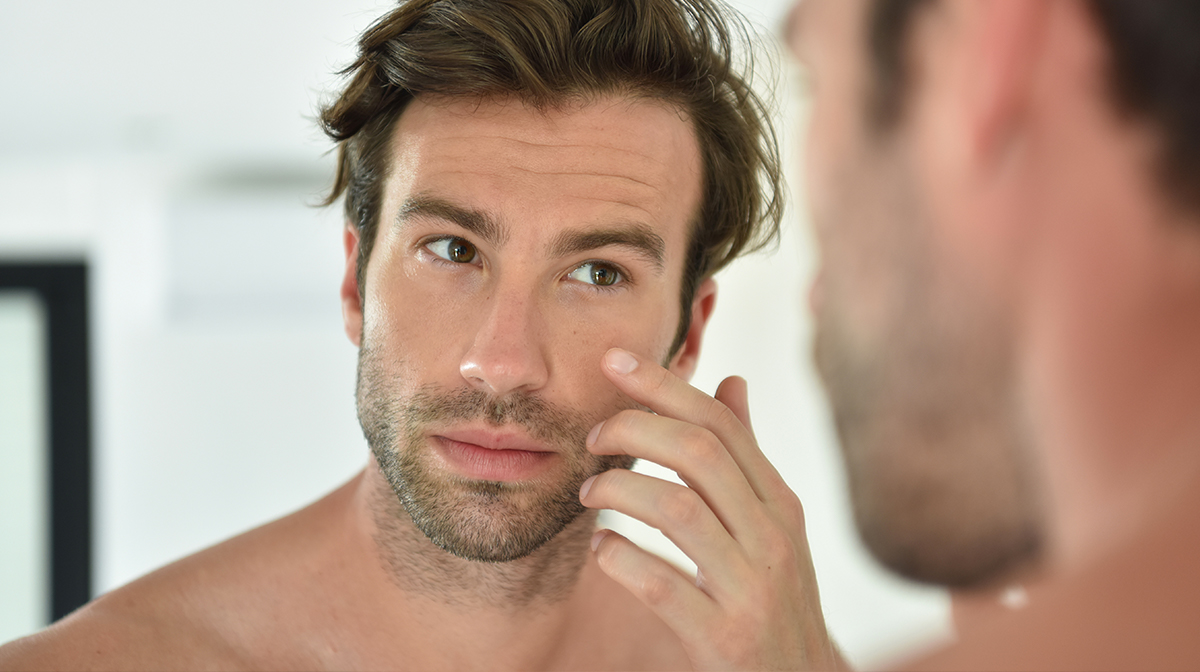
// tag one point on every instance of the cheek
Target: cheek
(818, 153)
(836, 163)
(578, 337)
(583, 335)
(409, 319)
(826, 181)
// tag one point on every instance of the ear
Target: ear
(683, 364)
(352, 312)
(1003, 43)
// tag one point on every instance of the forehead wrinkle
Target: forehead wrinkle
(629, 157)
(635, 236)
(557, 145)
(475, 221)
(585, 173)
(629, 204)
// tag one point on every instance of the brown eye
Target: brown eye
(596, 273)
(603, 275)
(453, 249)
(462, 252)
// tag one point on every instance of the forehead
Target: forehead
(614, 158)
(813, 24)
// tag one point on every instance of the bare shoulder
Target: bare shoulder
(221, 608)
(126, 629)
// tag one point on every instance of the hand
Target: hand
(753, 603)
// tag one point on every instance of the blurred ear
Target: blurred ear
(1003, 43)
(352, 312)
(976, 118)
(683, 364)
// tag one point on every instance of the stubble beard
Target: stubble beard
(482, 521)
(937, 452)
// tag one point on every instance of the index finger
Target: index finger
(667, 394)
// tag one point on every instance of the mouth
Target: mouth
(491, 455)
(507, 439)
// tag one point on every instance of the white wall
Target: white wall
(24, 491)
(171, 144)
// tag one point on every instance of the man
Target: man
(1005, 194)
(537, 194)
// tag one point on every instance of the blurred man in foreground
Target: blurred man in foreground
(1007, 198)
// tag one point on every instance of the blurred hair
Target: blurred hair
(888, 24)
(1154, 75)
(551, 53)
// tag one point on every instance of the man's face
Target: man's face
(514, 248)
(914, 352)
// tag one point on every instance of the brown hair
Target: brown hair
(1154, 75)
(550, 52)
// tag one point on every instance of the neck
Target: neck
(390, 598)
(1131, 608)
(1116, 396)
(437, 611)
(1110, 321)
(1110, 387)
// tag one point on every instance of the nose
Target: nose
(507, 354)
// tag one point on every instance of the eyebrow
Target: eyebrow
(478, 222)
(637, 237)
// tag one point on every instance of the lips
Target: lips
(492, 456)
(496, 440)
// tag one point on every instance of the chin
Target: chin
(952, 541)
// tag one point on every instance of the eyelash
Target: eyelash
(623, 278)
(622, 275)
(428, 243)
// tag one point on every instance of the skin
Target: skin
(915, 352)
(1031, 207)
(351, 583)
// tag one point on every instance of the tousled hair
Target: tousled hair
(549, 53)
(1154, 75)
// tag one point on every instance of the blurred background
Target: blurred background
(170, 148)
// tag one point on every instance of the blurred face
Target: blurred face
(514, 248)
(915, 355)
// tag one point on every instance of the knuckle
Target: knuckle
(657, 589)
(736, 641)
(699, 445)
(681, 506)
(716, 414)
(602, 488)
(615, 426)
(660, 381)
(792, 508)
(779, 550)
(623, 423)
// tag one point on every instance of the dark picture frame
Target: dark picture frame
(63, 289)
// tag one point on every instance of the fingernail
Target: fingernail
(594, 434)
(583, 489)
(597, 538)
(620, 361)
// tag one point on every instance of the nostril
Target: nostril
(507, 354)
(500, 372)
